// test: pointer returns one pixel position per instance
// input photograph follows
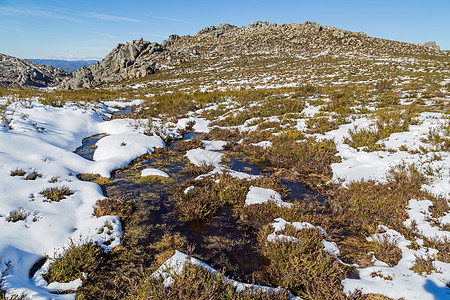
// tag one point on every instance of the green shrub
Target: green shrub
(368, 203)
(18, 215)
(76, 258)
(56, 193)
(197, 283)
(211, 195)
(18, 172)
(304, 267)
(33, 175)
(423, 264)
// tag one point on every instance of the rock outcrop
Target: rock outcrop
(16, 72)
(432, 45)
(130, 60)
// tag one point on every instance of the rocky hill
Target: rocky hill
(133, 59)
(223, 47)
(16, 72)
(262, 39)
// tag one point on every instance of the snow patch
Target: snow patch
(154, 172)
(200, 157)
(257, 195)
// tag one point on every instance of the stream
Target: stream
(218, 241)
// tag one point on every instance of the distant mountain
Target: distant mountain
(16, 72)
(68, 65)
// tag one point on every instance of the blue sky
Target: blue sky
(90, 29)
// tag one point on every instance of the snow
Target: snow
(154, 172)
(43, 138)
(418, 214)
(201, 157)
(221, 169)
(399, 281)
(280, 225)
(214, 145)
(357, 165)
(257, 195)
(116, 151)
(177, 262)
(263, 144)
(189, 188)
(122, 104)
(201, 124)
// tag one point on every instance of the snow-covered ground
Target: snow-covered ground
(42, 139)
(39, 138)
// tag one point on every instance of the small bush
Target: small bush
(95, 178)
(309, 158)
(113, 207)
(386, 251)
(303, 267)
(210, 196)
(423, 265)
(197, 283)
(383, 85)
(442, 245)
(18, 172)
(33, 175)
(184, 145)
(75, 259)
(56, 194)
(166, 245)
(54, 179)
(198, 170)
(18, 215)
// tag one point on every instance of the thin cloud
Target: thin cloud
(98, 16)
(108, 17)
(105, 34)
(36, 12)
(171, 19)
(65, 14)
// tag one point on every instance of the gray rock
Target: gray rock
(339, 33)
(130, 60)
(432, 45)
(170, 41)
(312, 26)
(16, 72)
(216, 31)
(207, 29)
(258, 25)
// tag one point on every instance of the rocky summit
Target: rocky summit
(140, 58)
(263, 40)
(15, 72)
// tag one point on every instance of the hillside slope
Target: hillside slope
(16, 72)
(259, 45)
